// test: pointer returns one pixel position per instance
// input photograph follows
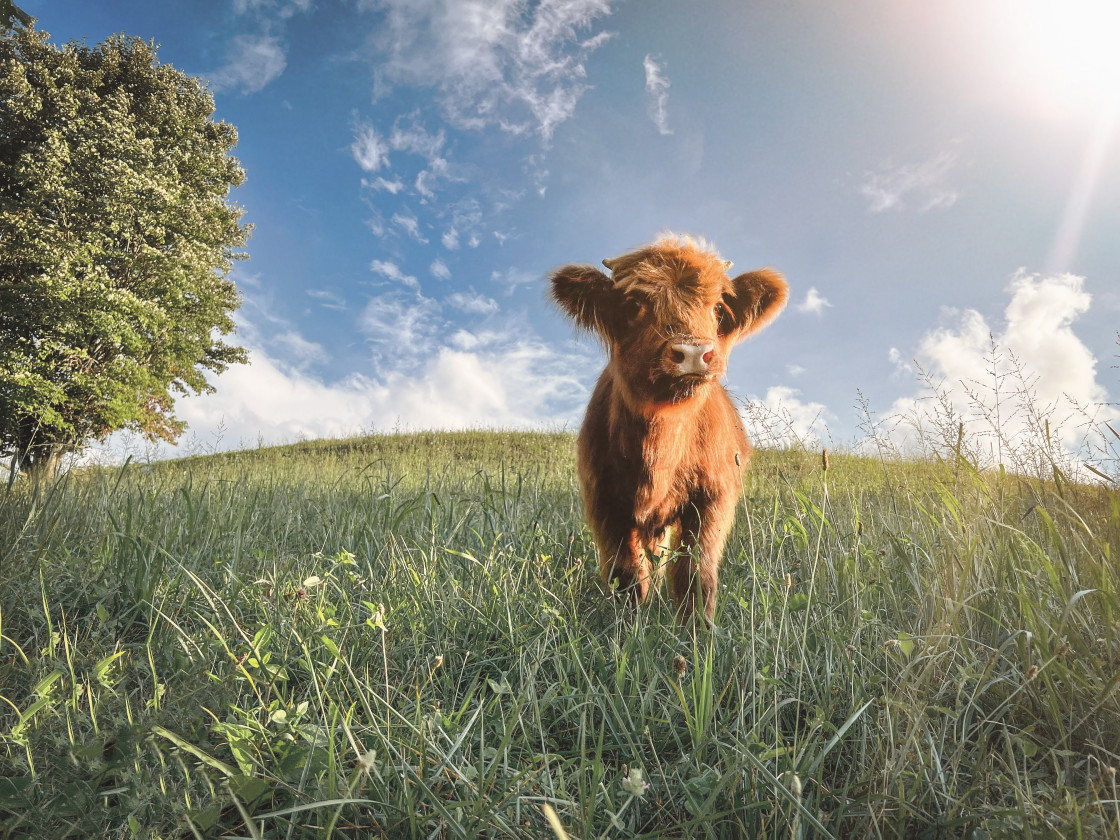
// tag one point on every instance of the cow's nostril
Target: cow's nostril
(708, 357)
(677, 356)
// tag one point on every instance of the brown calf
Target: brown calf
(661, 447)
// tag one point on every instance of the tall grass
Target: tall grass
(403, 636)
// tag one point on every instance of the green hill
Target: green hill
(405, 636)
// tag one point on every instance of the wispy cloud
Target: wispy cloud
(440, 270)
(392, 187)
(814, 302)
(507, 63)
(391, 322)
(282, 9)
(472, 303)
(302, 352)
(410, 225)
(902, 368)
(253, 61)
(657, 91)
(919, 185)
(328, 299)
(409, 135)
(392, 271)
(369, 148)
(513, 277)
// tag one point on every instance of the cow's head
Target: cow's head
(669, 313)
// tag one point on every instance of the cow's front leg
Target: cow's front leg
(694, 571)
(624, 558)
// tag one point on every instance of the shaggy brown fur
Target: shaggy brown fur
(661, 447)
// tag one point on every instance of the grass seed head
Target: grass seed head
(680, 665)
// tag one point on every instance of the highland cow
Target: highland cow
(662, 447)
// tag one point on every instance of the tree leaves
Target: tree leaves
(117, 237)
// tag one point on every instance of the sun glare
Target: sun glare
(1069, 50)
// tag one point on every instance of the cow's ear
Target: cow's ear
(587, 296)
(756, 299)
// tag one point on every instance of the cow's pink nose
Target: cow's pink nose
(693, 358)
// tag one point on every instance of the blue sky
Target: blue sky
(925, 174)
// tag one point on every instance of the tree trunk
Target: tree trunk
(42, 461)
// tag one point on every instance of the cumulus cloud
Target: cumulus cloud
(1013, 387)
(782, 418)
(520, 383)
(813, 302)
(920, 185)
(450, 239)
(253, 61)
(657, 92)
(518, 66)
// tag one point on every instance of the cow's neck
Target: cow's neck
(660, 434)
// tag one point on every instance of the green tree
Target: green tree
(11, 14)
(117, 237)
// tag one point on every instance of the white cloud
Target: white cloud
(415, 139)
(283, 10)
(410, 225)
(657, 90)
(466, 216)
(901, 366)
(782, 418)
(521, 67)
(328, 299)
(813, 302)
(1012, 388)
(393, 187)
(393, 272)
(395, 322)
(512, 278)
(440, 270)
(253, 62)
(424, 180)
(299, 349)
(472, 303)
(369, 149)
(896, 186)
(513, 384)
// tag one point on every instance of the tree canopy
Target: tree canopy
(117, 236)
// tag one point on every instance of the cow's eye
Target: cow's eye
(724, 321)
(633, 311)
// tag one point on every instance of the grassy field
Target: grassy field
(404, 636)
